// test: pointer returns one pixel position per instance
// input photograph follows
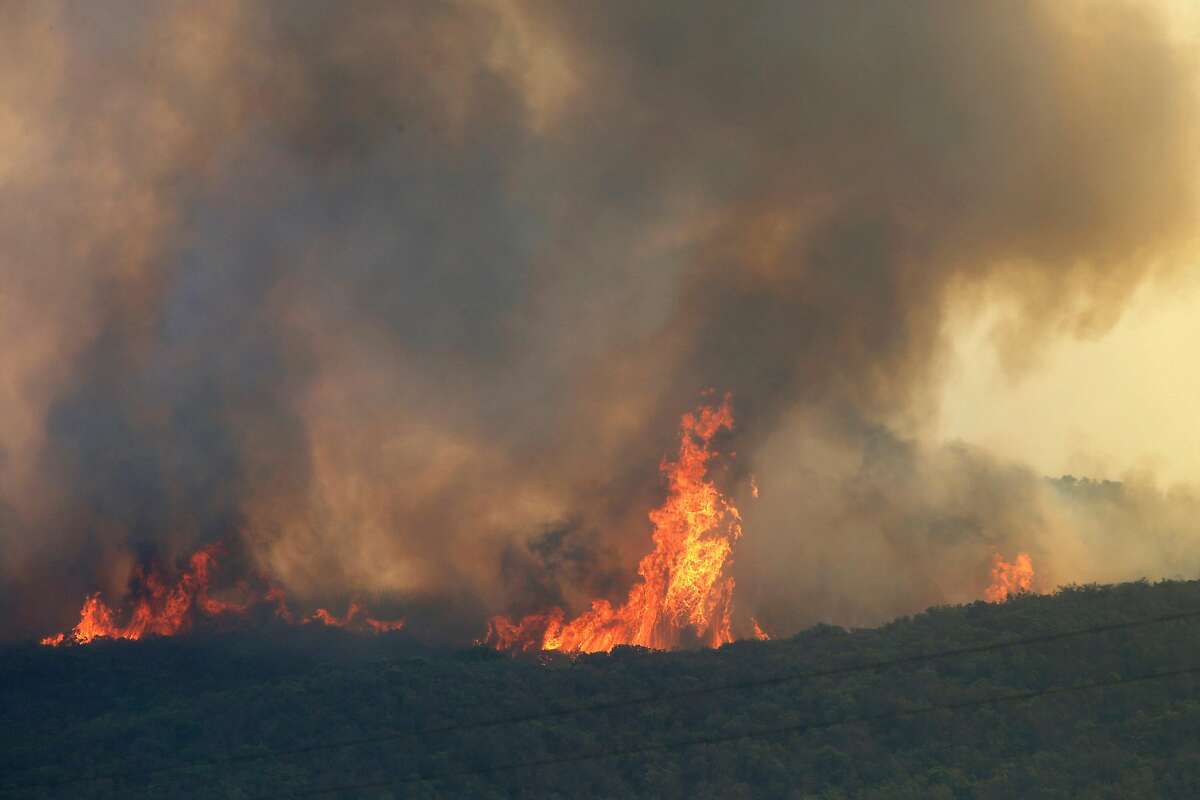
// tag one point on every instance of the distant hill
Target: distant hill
(1088, 488)
(135, 707)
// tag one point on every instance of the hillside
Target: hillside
(134, 707)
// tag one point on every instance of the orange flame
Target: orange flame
(684, 584)
(759, 633)
(162, 610)
(158, 609)
(355, 618)
(1009, 579)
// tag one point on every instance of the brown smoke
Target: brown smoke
(391, 292)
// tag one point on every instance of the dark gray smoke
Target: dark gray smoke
(385, 292)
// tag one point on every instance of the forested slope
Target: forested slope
(132, 708)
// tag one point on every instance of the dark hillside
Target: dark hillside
(135, 707)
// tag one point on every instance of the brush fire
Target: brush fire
(1009, 578)
(684, 586)
(157, 608)
(683, 594)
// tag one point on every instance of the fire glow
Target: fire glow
(685, 586)
(159, 609)
(1009, 578)
(354, 614)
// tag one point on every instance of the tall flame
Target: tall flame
(162, 610)
(1009, 579)
(684, 586)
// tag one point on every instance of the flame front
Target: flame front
(162, 610)
(1009, 579)
(157, 609)
(684, 586)
(355, 617)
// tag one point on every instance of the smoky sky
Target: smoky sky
(406, 299)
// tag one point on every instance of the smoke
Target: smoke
(387, 292)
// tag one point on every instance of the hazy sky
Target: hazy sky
(1115, 404)
(1124, 402)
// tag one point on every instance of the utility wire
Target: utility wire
(732, 737)
(643, 700)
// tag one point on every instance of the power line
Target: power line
(725, 738)
(644, 700)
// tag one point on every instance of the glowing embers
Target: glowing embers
(1009, 578)
(158, 608)
(685, 588)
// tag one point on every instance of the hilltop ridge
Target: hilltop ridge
(136, 707)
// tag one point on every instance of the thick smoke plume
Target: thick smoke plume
(405, 299)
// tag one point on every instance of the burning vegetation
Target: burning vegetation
(356, 617)
(684, 594)
(157, 608)
(1009, 578)
(684, 588)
